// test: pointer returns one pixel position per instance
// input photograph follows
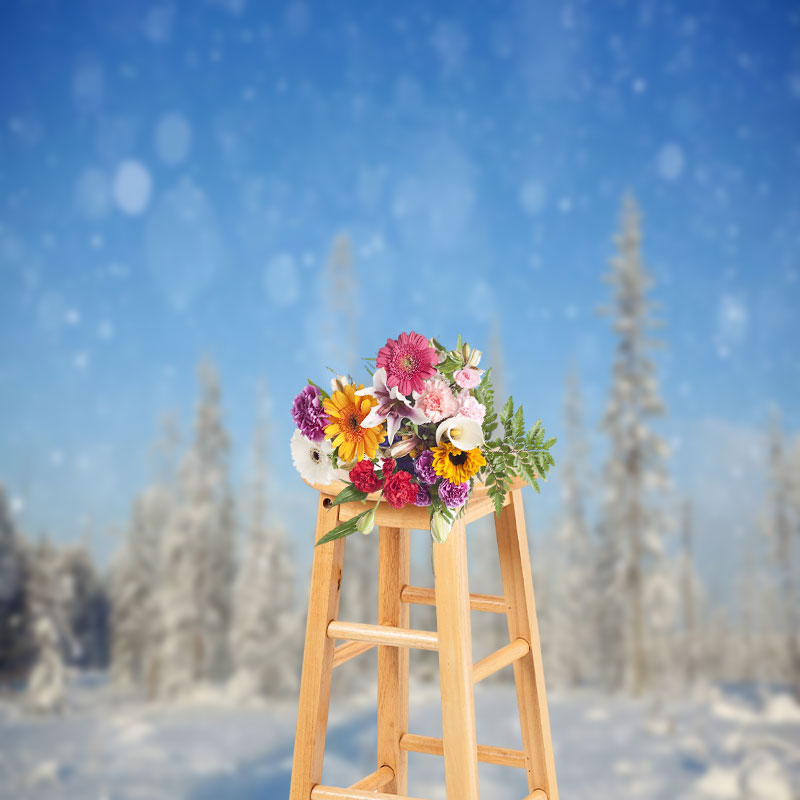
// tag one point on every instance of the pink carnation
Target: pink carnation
(469, 407)
(437, 400)
(468, 378)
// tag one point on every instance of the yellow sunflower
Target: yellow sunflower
(346, 412)
(458, 466)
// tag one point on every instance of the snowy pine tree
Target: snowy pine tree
(135, 586)
(783, 532)
(197, 555)
(266, 630)
(573, 632)
(14, 649)
(47, 594)
(633, 524)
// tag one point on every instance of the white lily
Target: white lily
(440, 528)
(463, 432)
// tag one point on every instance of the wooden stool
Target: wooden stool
(452, 639)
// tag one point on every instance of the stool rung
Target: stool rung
(433, 746)
(508, 654)
(539, 794)
(376, 781)
(344, 652)
(332, 793)
(383, 634)
(478, 602)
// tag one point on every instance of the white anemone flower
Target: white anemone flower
(463, 432)
(312, 459)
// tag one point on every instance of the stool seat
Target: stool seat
(413, 517)
(452, 640)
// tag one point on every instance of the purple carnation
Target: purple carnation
(423, 466)
(453, 495)
(423, 498)
(308, 413)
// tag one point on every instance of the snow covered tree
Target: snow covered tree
(691, 591)
(632, 524)
(198, 555)
(13, 640)
(47, 593)
(135, 593)
(573, 632)
(783, 531)
(266, 629)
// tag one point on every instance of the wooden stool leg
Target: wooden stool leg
(315, 682)
(515, 566)
(393, 573)
(455, 665)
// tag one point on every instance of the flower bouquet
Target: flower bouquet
(421, 434)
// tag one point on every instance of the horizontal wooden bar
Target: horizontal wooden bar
(333, 793)
(344, 652)
(539, 794)
(383, 634)
(431, 745)
(508, 654)
(477, 602)
(376, 781)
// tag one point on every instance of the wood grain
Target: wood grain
(383, 634)
(394, 551)
(455, 665)
(432, 745)
(515, 568)
(315, 680)
(477, 602)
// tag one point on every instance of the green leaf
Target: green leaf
(348, 495)
(549, 443)
(344, 529)
(508, 410)
(321, 390)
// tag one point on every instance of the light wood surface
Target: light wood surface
(332, 793)
(377, 781)
(455, 665)
(537, 795)
(506, 655)
(515, 568)
(344, 652)
(477, 602)
(315, 680)
(432, 745)
(394, 561)
(383, 634)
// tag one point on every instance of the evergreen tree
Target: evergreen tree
(632, 524)
(14, 649)
(197, 555)
(265, 634)
(574, 630)
(783, 531)
(135, 593)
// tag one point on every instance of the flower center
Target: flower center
(459, 458)
(353, 422)
(316, 455)
(408, 363)
(455, 433)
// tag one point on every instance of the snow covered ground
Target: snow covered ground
(727, 744)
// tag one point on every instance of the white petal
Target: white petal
(373, 419)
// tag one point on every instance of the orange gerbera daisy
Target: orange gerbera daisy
(346, 412)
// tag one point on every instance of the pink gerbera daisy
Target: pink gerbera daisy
(408, 361)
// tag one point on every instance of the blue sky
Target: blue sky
(172, 177)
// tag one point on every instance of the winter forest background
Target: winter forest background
(204, 204)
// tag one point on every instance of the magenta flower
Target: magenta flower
(392, 407)
(453, 495)
(309, 415)
(408, 361)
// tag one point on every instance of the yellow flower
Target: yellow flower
(346, 412)
(458, 466)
